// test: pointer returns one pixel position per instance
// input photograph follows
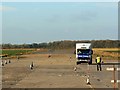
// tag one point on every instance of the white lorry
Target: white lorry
(84, 53)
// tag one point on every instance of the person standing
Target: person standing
(98, 62)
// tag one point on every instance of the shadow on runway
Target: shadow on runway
(108, 63)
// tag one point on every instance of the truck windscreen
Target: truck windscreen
(83, 51)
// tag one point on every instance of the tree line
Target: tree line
(66, 44)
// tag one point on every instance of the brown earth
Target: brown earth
(54, 72)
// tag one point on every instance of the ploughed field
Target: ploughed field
(55, 71)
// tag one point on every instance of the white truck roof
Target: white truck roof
(83, 45)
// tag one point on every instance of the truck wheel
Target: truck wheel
(90, 62)
(78, 63)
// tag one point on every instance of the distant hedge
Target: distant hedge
(66, 44)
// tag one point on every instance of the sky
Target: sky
(37, 22)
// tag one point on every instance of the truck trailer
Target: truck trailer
(84, 53)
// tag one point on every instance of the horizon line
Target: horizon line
(61, 40)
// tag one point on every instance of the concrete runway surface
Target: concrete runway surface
(55, 72)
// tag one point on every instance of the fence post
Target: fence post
(114, 84)
(114, 81)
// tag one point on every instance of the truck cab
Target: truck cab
(84, 53)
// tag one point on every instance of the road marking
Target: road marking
(113, 69)
(112, 81)
(118, 69)
(110, 69)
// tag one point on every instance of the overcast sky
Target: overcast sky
(30, 22)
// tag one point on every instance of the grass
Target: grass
(117, 51)
(107, 53)
(14, 52)
(107, 50)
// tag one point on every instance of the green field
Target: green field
(15, 52)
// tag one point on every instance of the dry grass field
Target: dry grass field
(107, 53)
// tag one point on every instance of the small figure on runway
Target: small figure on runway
(31, 66)
(88, 80)
(5, 61)
(2, 63)
(9, 61)
(98, 62)
(75, 69)
(49, 56)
